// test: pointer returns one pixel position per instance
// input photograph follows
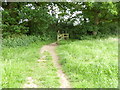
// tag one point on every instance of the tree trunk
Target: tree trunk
(96, 22)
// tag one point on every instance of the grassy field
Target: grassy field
(21, 62)
(87, 63)
(90, 63)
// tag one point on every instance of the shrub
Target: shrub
(22, 40)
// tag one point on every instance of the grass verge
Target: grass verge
(21, 62)
(90, 63)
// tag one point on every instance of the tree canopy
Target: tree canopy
(43, 18)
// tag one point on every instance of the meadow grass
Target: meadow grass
(0, 72)
(21, 62)
(90, 63)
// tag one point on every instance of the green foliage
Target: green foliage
(25, 20)
(33, 18)
(10, 20)
(39, 19)
(23, 40)
(90, 63)
(96, 17)
(20, 63)
(29, 22)
(109, 28)
(87, 30)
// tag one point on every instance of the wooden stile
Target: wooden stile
(63, 36)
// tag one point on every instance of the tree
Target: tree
(83, 18)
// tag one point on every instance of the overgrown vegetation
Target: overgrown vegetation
(89, 58)
(76, 18)
(90, 63)
(23, 40)
(21, 62)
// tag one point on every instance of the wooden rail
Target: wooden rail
(62, 36)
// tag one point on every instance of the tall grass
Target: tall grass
(19, 61)
(22, 40)
(90, 63)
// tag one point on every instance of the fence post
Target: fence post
(62, 36)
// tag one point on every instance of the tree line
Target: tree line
(46, 18)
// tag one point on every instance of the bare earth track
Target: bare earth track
(51, 49)
(63, 79)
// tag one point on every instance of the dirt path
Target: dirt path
(51, 49)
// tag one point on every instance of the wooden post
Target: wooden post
(58, 35)
(64, 36)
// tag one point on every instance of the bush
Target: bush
(22, 40)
